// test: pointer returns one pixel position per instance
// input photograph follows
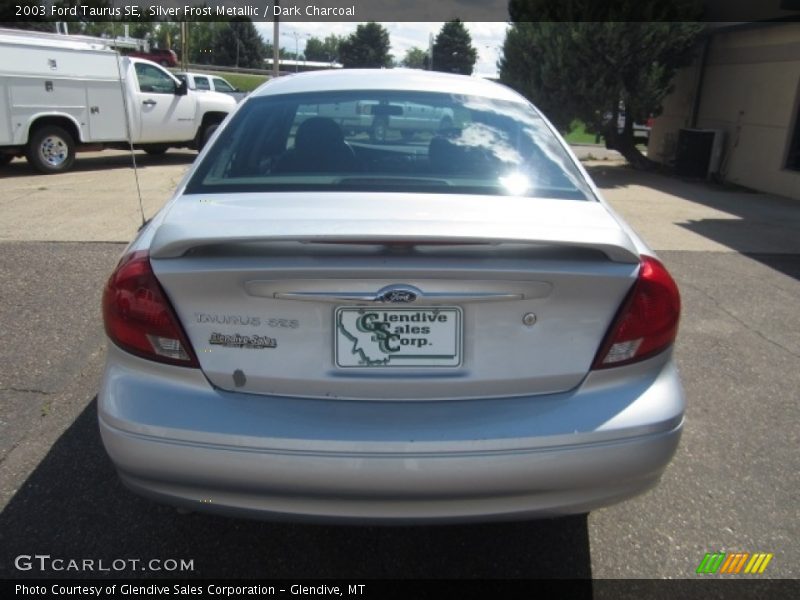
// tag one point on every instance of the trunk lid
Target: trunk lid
(333, 295)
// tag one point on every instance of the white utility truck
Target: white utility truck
(62, 94)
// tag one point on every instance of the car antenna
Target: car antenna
(127, 121)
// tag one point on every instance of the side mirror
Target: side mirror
(181, 89)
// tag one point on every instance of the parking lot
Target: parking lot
(732, 486)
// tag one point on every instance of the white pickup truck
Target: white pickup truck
(203, 82)
(62, 94)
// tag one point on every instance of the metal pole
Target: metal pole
(184, 45)
(276, 44)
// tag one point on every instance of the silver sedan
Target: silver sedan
(442, 323)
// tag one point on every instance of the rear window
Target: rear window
(388, 141)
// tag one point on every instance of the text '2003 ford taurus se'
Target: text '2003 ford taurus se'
(439, 323)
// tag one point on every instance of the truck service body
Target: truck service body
(61, 94)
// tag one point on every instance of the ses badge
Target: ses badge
(398, 337)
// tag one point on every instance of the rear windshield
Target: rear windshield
(388, 141)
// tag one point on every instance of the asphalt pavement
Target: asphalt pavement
(732, 485)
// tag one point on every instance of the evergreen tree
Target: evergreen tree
(367, 48)
(238, 43)
(202, 38)
(452, 49)
(589, 69)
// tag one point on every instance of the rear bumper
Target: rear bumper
(176, 439)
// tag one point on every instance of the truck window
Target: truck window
(201, 83)
(222, 86)
(152, 79)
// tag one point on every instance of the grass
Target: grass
(578, 134)
(243, 81)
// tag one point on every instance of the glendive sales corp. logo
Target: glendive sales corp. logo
(734, 563)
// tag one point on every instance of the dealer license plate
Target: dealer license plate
(398, 337)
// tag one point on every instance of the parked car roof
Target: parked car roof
(389, 79)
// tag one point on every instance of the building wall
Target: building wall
(750, 90)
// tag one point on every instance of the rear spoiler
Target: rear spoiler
(174, 238)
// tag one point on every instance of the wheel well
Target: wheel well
(210, 118)
(62, 122)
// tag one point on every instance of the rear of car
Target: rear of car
(440, 323)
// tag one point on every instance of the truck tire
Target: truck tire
(379, 129)
(51, 149)
(205, 135)
(5, 159)
(155, 150)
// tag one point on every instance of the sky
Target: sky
(487, 38)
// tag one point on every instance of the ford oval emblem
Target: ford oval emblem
(397, 295)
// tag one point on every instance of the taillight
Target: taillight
(138, 317)
(647, 323)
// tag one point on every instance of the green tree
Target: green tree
(624, 54)
(452, 49)
(367, 48)
(326, 50)
(201, 41)
(143, 30)
(237, 43)
(416, 58)
(28, 25)
(168, 35)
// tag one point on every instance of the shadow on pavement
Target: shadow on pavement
(96, 161)
(73, 506)
(762, 226)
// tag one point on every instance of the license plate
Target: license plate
(398, 337)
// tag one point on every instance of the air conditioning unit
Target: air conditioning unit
(699, 152)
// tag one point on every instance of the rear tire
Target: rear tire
(205, 135)
(51, 149)
(155, 150)
(5, 159)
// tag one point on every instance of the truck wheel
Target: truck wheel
(156, 150)
(5, 159)
(378, 131)
(206, 135)
(51, 149)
